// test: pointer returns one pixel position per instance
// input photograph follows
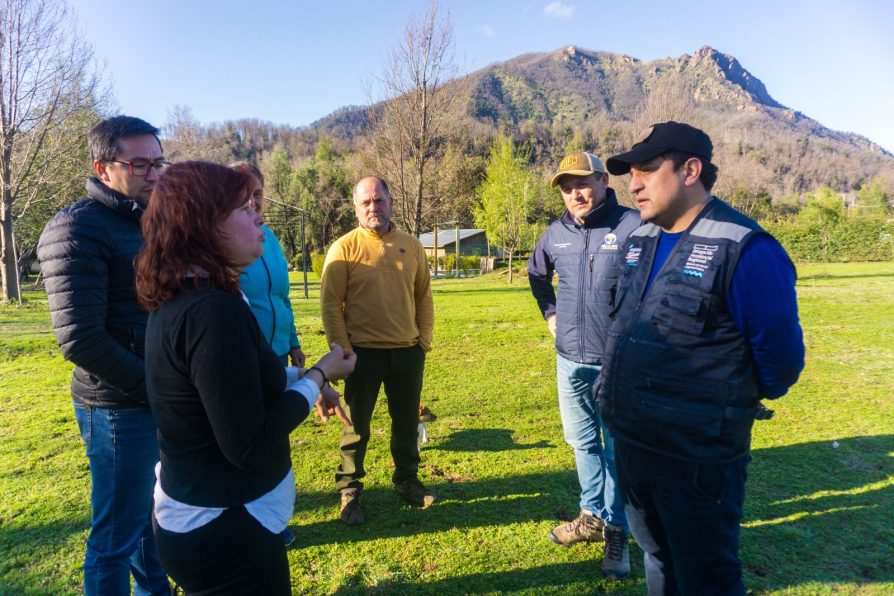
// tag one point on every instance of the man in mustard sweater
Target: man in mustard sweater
(376, 300)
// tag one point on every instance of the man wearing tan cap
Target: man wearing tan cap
(582, 247)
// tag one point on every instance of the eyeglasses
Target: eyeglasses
(141, 167)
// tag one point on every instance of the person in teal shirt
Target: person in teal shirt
(265, 284)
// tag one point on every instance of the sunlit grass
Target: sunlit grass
(819, 512)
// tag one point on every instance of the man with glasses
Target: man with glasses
(87, 253)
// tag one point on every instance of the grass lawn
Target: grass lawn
(819, 512)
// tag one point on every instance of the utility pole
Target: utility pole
(288, 208)
(458, 253)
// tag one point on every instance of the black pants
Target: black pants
(400, 370)
(685, 517)
(234, 554)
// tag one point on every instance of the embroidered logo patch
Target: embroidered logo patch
(699, 259)
(562, 245)
(568, 163)
(633, 253)
(610, 242)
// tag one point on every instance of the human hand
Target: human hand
(338, 363)
(551, 323)
(297, 356)
(328, 405)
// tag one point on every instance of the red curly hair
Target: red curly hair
(180, 226)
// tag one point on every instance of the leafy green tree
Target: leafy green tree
(279, 210)
(873, 202)
(824, 208)
(506, 198)
(322, 188)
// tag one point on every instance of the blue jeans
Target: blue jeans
(585, 432)
(685, 517)
(122, 446)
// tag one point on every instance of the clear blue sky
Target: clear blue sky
(295, 61)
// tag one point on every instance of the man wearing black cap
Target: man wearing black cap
(705, 326)
(582, 246)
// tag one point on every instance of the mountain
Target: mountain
(600, 100)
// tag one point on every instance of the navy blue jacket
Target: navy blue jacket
(585, 257)
(680, 377)
(86, 254)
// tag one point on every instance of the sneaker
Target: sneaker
(288, 536)
(586, 527)
(616, 556)
(415, 493)
(351, 511)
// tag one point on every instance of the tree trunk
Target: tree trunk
(10, 269)
(510, 267)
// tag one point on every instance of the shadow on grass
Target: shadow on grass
(519, 287)
(486, 439)
(815, 514)
(24, 546)
(820, 513)
(546, 578)
(464, 504)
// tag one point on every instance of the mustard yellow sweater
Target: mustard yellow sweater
(376, 291)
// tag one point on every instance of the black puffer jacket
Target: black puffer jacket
(86, 255)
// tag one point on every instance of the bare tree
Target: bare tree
(47, 78)
(412, 128)
(666, 98)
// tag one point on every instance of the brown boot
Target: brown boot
(415, 493)
(585, 528)
(351, 511)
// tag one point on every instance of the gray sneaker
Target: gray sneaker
(415, 493)
(351, 511)
(586, 527)
(616, 556)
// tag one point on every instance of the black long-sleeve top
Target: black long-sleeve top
(216, 392)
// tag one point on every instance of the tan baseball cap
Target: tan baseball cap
(579, 163)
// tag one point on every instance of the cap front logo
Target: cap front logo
(569, 162)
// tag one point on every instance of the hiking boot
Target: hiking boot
(586, 527)
(351, 511)
(415, 493)
(616, 556)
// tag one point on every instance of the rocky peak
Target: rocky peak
(726, 67)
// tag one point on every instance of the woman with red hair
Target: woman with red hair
(223, 401)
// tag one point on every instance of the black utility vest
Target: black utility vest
(680, 379)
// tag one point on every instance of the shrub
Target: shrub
(466, 264)
(845, 240)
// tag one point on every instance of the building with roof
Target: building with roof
(472, 242)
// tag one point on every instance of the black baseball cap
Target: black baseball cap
(661, 138)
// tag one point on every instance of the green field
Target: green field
(819, 513)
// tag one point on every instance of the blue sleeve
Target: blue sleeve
(271, 244)
(540, 275)
(764, 307)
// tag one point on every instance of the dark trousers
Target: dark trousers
(400, 370)
(234, 554)
(685, 517)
